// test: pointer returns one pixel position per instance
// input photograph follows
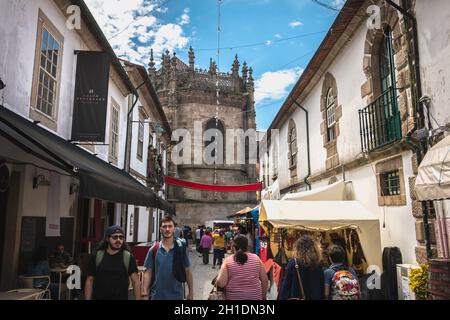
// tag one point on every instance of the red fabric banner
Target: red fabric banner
(213, 187)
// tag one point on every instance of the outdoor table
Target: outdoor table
(60, 271)
(19, 295)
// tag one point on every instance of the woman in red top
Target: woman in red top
(243, 274)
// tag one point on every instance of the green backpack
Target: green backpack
(101, 253)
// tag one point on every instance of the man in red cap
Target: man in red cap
(109, 270)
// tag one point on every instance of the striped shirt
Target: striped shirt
(243, 280)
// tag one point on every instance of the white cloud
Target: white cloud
(295, 24)
(268, 42)
(185, 19)
(278, 36)
(132, 29)
(275, 85)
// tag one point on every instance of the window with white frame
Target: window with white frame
(292, 143)
(331, 114)
(114, 141)
(46, 73)
(140, 140)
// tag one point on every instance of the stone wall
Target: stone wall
(190, 100)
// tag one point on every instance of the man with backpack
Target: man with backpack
(109, 270)
(341, 281)
(167, 267)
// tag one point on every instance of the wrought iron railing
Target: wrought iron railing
(380, 122)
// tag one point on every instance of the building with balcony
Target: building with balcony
(357, 111)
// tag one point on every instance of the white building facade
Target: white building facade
(359, 98)
(42, 203)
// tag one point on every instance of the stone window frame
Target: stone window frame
(371, 88)
(292, 141)
(389, 165)
(330, 109)
(113, 152)
(221, 127)
(332, 157)
(35, 114)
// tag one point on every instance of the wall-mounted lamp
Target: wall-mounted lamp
(40, 181)
(159, 130)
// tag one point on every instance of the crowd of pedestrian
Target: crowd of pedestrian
(112, 270)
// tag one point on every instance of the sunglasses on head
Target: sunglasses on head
(118, 237)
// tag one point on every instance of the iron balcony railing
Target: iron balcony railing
(380, 122)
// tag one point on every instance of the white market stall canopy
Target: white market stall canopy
(326, 216)
(336, 191)
(433, 178)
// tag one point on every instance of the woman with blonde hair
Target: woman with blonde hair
(304, 277)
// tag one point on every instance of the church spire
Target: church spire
(151, 64)
(235, 68)
(244, 71)
(191, 58)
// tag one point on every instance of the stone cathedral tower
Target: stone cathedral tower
(189, 95)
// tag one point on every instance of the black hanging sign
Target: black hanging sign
(91, 96)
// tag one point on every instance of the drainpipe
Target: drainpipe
(126, 163)
(421, 148)
(307, 143)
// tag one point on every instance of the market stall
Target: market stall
(433, 184)
(330, 221)
(247, 219)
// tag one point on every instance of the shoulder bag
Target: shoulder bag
(302, 292)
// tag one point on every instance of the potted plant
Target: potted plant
(418, 281)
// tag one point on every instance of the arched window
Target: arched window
(219, 141)
(387, 102)
(331, 117)
(386, 63)
(292, 143)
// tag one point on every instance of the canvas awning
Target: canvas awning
(333, 192)
(98, 179)
(326, 216)
(433, 178)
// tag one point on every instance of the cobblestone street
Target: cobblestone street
(203, 274)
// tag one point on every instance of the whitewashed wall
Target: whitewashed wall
(434, 47)
(18, 38)
(347, 69)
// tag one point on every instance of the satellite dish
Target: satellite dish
(5, 175)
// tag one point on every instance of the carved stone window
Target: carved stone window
(390, 182)
(218, 139)
(331, 113)
(292, 144)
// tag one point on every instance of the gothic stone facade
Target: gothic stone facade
(189, 95)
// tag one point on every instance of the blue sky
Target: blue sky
(277, 38)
